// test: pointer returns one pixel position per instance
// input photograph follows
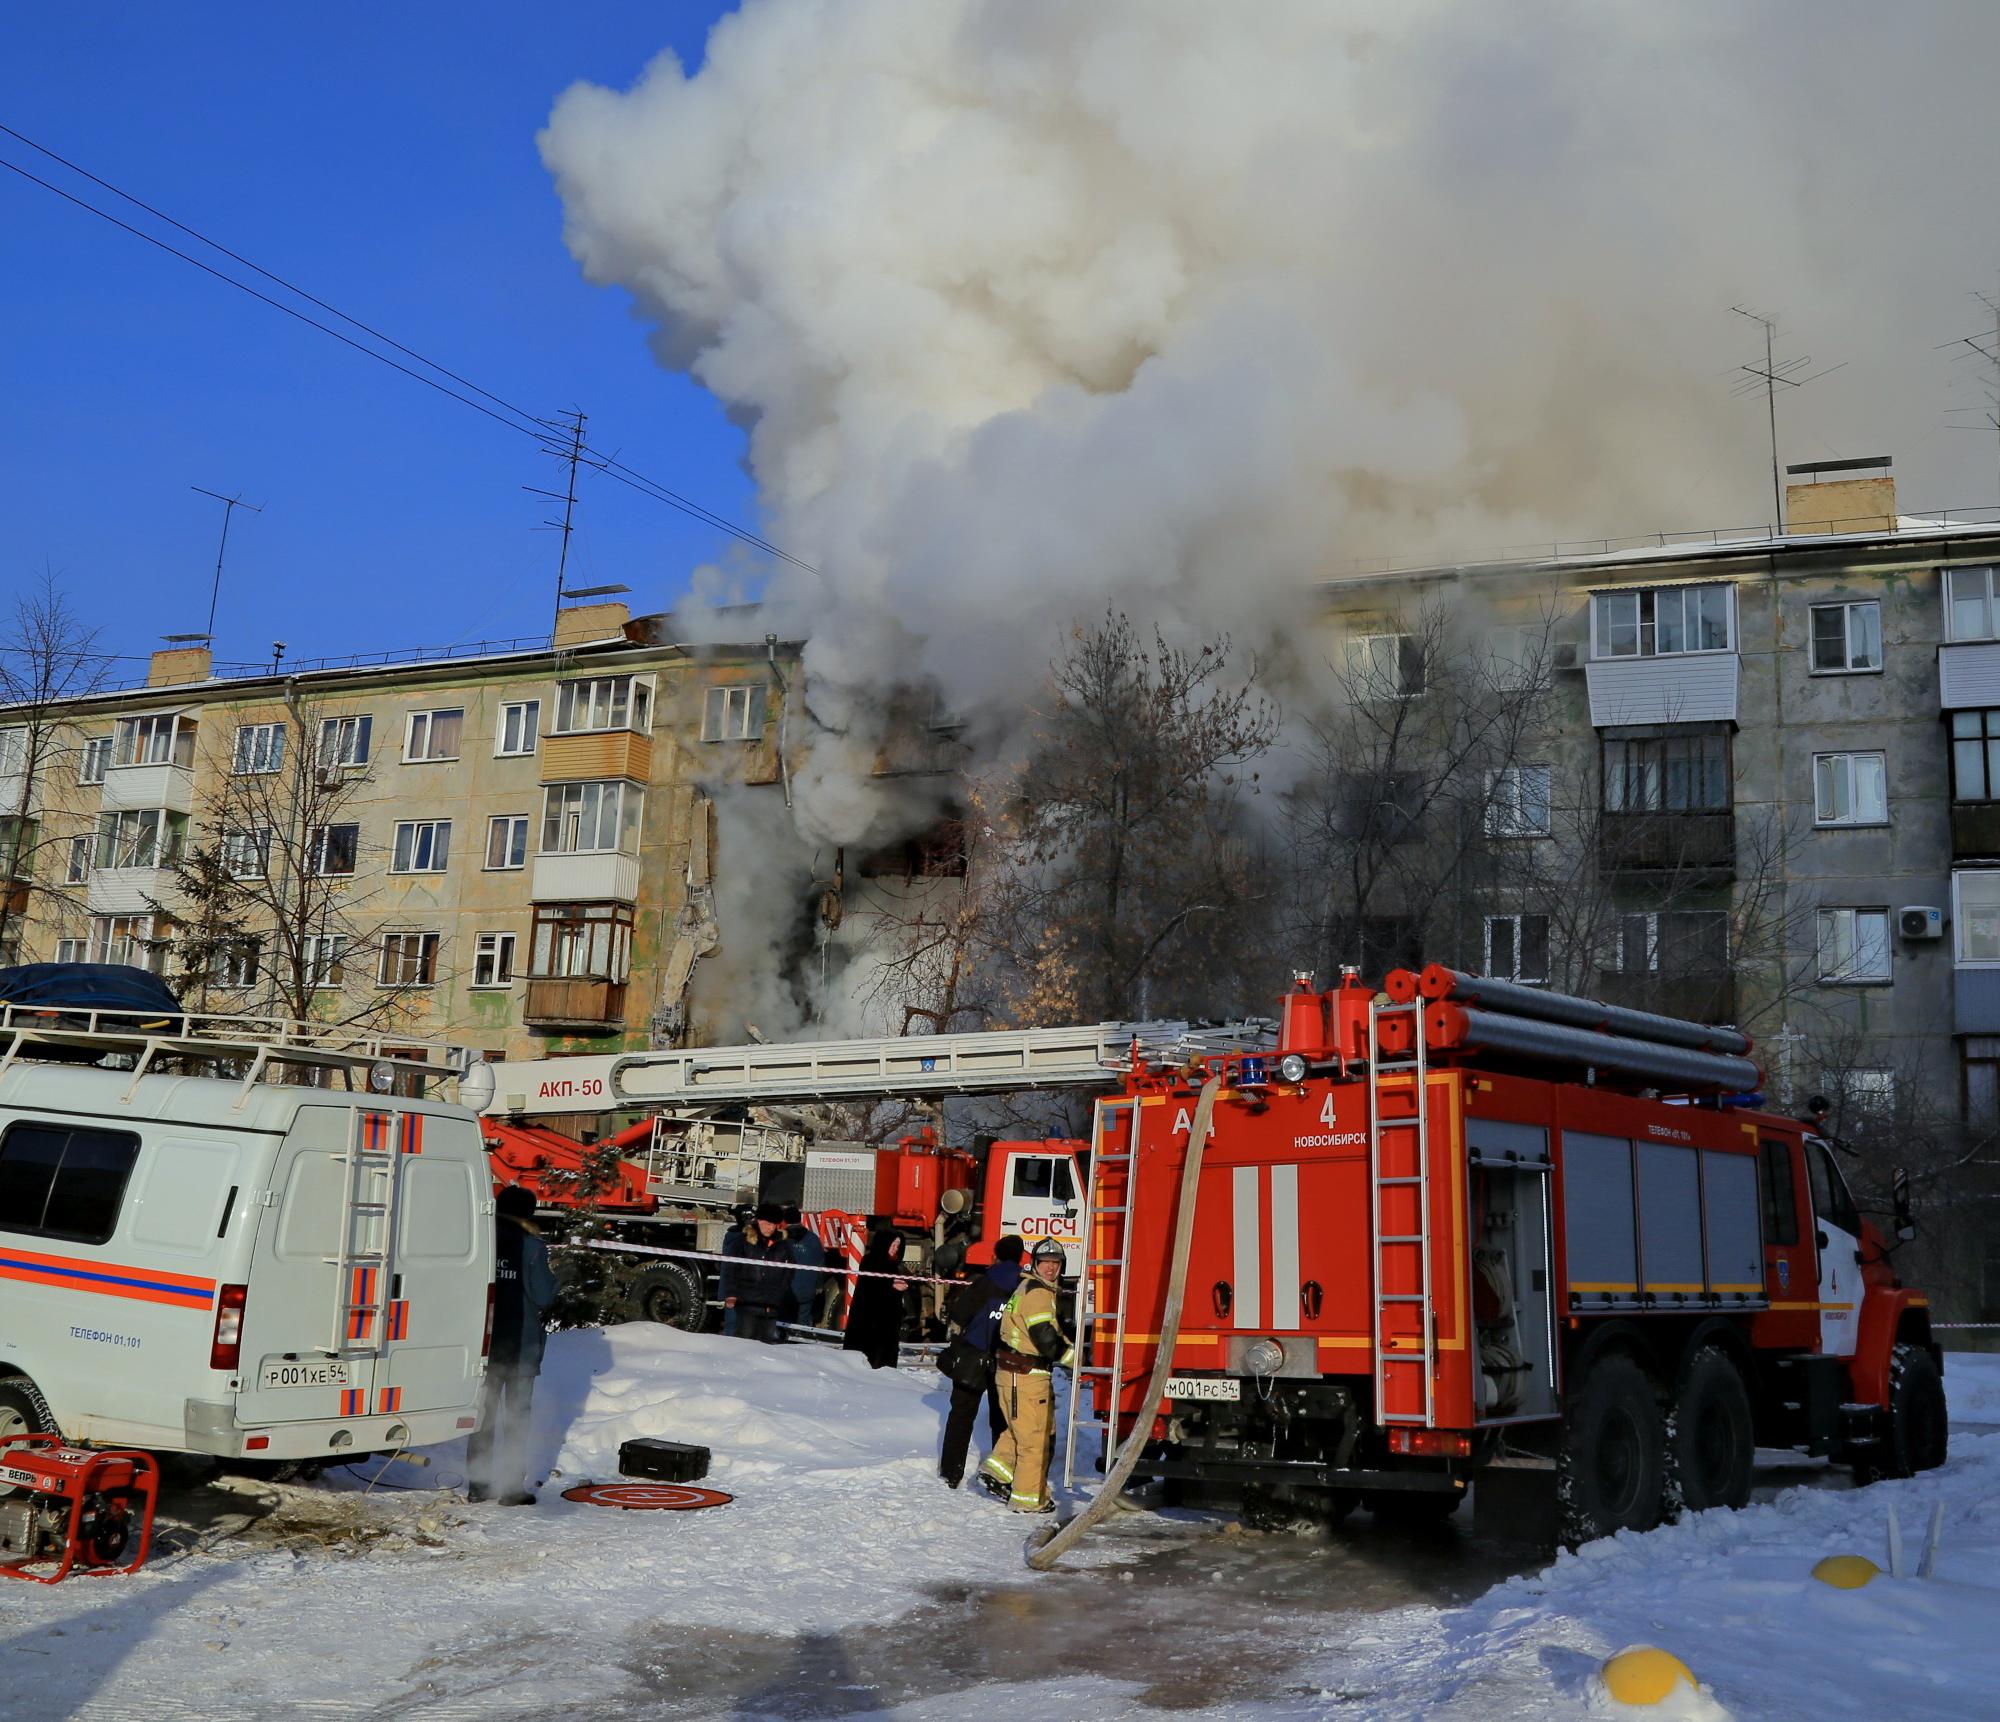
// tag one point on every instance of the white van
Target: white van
(241, 1268)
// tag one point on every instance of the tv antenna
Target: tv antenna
(1986, 344)
(1767, 379)
(230, 504)
(570, 450)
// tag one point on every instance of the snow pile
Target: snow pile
(1972, 1386)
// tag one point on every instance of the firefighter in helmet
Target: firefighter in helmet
(1031, 1346)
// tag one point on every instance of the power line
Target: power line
(521, 420)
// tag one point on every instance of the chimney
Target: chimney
(577, 623)
(1845, 505)
(177, 665)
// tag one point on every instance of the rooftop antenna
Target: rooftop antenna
(230, 504)
(570, 451)
(1986, 344)
(1767, 378)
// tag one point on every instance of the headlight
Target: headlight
(1264, 1357)
(381, 1076)
(1292, 1068)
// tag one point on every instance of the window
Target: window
(331, 850)
(323, 959)
(95, 757)
(126, 939)
(235, 964)
(1968, 603)
(581, 941)
(1853, 946)
(1831, 1202)
(1846, 638)
(1386, 665)
(409, 960)
(71, 950)
(19, 839)
(1671, 941)
(155, 740)
(433, 735)
(140, 837)
(78, 869)
(733, 714)
(247, 854)
(1034, 1175)
(493, 960)
(506, 841)
(938, 852)
(1517, 948)
(1667, 774)
(1975, 756)
(604, 702)
(1867, 1093)
(1975, 915)
(59, 1182)
(13, 751)
(1781, 1195)
(584, 818)
(1660, 623)
(260, 747)
(519, 722)
(1979, 1081)
(422, 846)
(344, 740)
(1850, 789)
(1517, 801)
(1516, 658)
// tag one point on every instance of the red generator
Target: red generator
(73, 1508)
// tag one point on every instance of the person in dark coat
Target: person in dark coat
(524, 1291)
(803, 1297)
(757, 1274)
(875, 1315)
(977, 1307)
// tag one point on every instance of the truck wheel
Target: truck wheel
(1611, 1473)
(1413, 1507)
(23, 1411)
(1917, 1433)
(671, 1295)
(1713, 1445)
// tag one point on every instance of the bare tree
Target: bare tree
(47, 658)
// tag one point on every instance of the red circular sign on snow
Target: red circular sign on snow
(643, 1497)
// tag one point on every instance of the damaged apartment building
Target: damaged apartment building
(1741, 777)
(512, 850)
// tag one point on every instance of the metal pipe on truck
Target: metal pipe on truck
(1451, 1026)
(1509, 998)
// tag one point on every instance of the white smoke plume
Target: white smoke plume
(1035, 306)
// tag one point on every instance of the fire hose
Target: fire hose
(1068, 1535)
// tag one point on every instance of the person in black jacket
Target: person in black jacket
(524, 1290)
(976, 1307)
(757, 1274)
(875, 1315)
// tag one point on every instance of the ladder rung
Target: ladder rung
(1400, 1178)
(1401, 1297)
(1413, 1238)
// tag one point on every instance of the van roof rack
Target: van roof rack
(267, 1046)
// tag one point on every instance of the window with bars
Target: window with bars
(1517, 801)
(1846, 638)
(581, 941)
(1660, 623)
(1517, 948)
(1667, 774)
(520, 720)
(506, 842)
(1853, 946)
(260, 748)
(603, 702)
(734, 714)
(591, 818)
(1850, 789)
(422, 846)
(433, 735)
(343, 741)
(408, 960)
(332, 850)
(493, 960)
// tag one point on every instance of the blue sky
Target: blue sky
(387, 163)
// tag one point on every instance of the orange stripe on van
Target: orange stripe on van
(107, 1279)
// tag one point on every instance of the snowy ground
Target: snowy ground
(845, 1580)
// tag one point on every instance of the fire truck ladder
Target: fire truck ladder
(1112, 1175)
(362, 1283)
(1399, 1217)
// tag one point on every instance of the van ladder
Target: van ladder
(1399, 1165)
(362, 1280)
(1101, 1286)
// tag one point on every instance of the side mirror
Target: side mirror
(1819, 1237)
(1906, 1224)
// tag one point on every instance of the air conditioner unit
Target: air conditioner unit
(330, 776)
(1915, 921)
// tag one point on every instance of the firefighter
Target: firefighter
(524, 1290)
(1031, 1347)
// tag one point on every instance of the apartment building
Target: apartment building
(1782, 751)
(508, 849)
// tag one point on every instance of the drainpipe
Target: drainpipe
(784, 715)
(304, 753)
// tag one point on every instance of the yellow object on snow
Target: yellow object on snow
(1846, 1572)
(1643, 1675)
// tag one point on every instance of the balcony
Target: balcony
(597, 755)
(142, 786)
(1693, 848)
(603, 876)
(1708, 997)
(574, 1005)
(1975, 829)
(1969, 675)
(1681, 687)
(131, 891)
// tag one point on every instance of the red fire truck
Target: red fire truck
(1462, 1228)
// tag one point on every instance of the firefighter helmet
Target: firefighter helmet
(1048, 1250)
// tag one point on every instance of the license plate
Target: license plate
(328, 1374)
(1203, 1387)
